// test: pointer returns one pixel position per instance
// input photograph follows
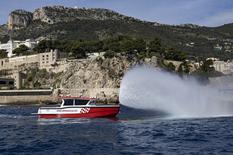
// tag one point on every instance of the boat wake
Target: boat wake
(148, 88)
(63, 121)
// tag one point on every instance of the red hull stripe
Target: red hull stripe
(93, 113)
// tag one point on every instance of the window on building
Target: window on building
(2, 82)
(11, 82)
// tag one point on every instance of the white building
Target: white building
(224, 67)
(9, 47)
(30, 43)
(13, 44)
(95, 55)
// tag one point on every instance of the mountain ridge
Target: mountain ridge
(60, 22)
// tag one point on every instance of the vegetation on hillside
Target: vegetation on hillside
(171, 36)
(40, 78)
(21, 50)
(134, 47)
(101, 24)
(3, 54)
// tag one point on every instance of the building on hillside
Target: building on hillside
(9, 47)
(95, 55)
(48, 59)
(18, 79)
(30, 43)
(218, 47)
(44, 60)
(13, 44)
(224, 67)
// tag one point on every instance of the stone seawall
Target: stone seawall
(49, 96)
(27, 96)
(27, 99)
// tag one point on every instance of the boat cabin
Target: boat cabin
(77, 101)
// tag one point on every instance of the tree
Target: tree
(3, 54)
(154, 46)
(78, 52)
(109, 54)
(184, 68)
(207, 66)
(173, 54)
(41, 47)
(21, 50)
(171, 67)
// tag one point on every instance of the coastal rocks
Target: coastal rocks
(19, 19)
(95, 73)
(98, 77)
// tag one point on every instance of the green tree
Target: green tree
(21, 50)
(3, 54)
(45, 45)
(109, 54)
(207, 66)
(78, 52)
(155, 46)
(36, 84)
(173, 54)
(184, 68)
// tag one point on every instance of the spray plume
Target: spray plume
(149, 88)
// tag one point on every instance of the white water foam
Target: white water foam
(149, 88)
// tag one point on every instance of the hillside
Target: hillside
(90, 24)
(4, 37)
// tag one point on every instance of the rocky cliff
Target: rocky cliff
(19, 19)
(98, 77)
(99, 72)
(51, 15)
(58, 14)
(88, 77)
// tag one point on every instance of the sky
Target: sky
(201, 12)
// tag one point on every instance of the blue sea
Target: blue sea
(132, 132)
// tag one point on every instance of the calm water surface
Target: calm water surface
(133, 132)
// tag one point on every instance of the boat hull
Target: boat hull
(86, 112)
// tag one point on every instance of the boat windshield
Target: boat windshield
(68, 102)
(81, 102)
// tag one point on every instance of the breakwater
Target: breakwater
(27, 96)
(44, 96)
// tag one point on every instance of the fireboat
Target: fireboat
(79, 107)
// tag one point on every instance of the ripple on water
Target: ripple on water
(145, 133)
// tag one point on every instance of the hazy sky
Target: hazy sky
(202, 12)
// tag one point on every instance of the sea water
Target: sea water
(132, 132)
(160, 114)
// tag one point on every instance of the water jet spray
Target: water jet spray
(150, 88)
